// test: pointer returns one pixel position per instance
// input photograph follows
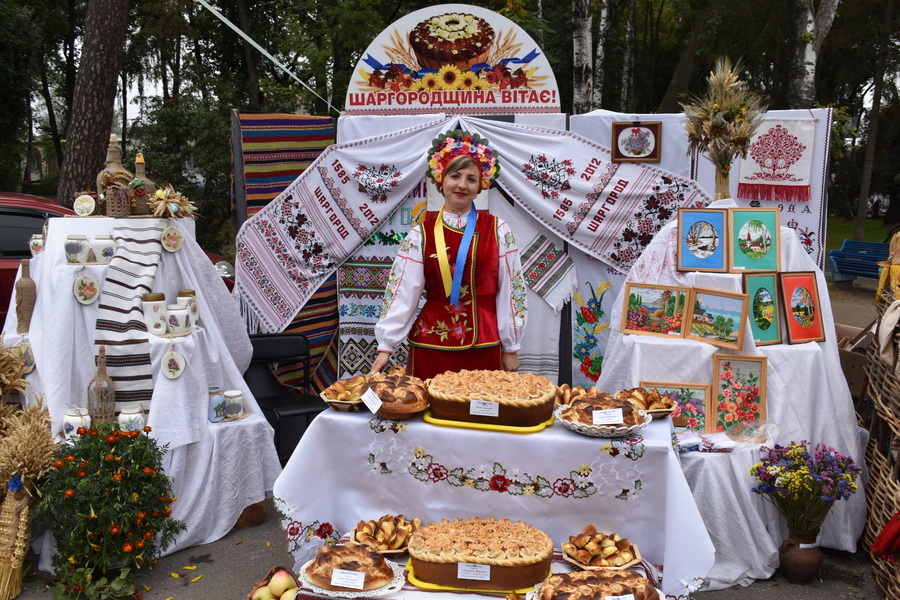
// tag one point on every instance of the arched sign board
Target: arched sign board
(453, 59)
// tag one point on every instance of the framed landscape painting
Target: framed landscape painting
(693, 402)
(802, 308)
(651, 309)
(765, 307)
(754, 239)
(702, 239)
(739, 407)
(636, 141)
(716, 317)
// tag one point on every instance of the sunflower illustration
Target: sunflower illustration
(467, 80)
(481, 84)
(449, 77)
(430, 81)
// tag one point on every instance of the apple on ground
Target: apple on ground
(281, 582)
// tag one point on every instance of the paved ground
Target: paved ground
(232, 565)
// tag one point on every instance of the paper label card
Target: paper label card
(609, 416)
(473, 571)
(349, 579)
(371, 400)
(484, 408)
(622, 597)
(806, 546)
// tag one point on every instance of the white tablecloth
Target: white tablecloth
(352, 466)
(807, 399)
(218, 468)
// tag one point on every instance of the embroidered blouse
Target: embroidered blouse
(407, 282)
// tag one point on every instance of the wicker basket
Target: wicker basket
(883, 388)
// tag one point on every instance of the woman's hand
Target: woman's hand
(381, 362)
(509, 361)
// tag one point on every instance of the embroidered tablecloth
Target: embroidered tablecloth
(353, 466)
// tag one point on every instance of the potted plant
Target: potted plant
(109, 507)
(803, 484)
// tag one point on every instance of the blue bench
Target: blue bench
(857, 259)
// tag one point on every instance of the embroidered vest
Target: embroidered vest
(474, 325)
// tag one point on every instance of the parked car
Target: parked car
(23, 215)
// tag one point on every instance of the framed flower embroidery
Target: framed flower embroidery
(740, 388)
(636, 141)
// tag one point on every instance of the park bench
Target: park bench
(857, 259)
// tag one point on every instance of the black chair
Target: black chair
(287, 410)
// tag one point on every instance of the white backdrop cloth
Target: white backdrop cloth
(557, 480)
(807, 399)
(218, 468)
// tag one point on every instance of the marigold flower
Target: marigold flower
(112, 439)
(81, 431)
(70, 458)
(83, 463)
(149, 534)
(59, 464)
(127, 547)
(149, 471)
(148, 429)
(92, 432)
(129, 534)
(80, 473)
(134, 433)
(95, 547)
(140, 544)
(115, 529)
(70, 493)
(116, 478)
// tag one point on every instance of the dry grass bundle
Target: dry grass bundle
(11, 370)
(721, 122)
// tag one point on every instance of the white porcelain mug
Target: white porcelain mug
(154, 306)
(178, 319)
(104, 247)
(77, 249)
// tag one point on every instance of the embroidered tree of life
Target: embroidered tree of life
(775, 152)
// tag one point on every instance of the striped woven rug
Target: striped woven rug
(273, 149)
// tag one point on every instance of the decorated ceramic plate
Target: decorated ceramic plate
(172, 239)
(86, 289)
(84, 205)
(607, 431)
(394, 586)
(172, 364)
(23, 353)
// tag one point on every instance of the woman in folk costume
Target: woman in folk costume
(468, 266)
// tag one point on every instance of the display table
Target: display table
(218, 469)
(807, 399)
(353, 466)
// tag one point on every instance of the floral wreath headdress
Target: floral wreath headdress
(454, 143)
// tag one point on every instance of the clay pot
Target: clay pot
(800, 557)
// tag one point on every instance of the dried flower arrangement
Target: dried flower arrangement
(721, 122)
(169, 203)
(27, 451)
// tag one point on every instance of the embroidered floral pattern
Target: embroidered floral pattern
(657, 209)
(589, 324)
(551, 176)
(607, 475)
(298, 534)
(737, 401)
(377, 181)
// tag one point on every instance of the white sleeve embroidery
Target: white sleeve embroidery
(402, 293)
(511, 301)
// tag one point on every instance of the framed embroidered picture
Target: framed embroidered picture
(802, 308)
(636, 141)
(716, 317)
(702, 239)
(693, 402)
(764, 306)
(651, 309)
(739, 385)
(754, 239)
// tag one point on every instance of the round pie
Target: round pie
(596, 585)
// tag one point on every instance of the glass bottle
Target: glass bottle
(26, 295)
(142, 189)
(101, 392)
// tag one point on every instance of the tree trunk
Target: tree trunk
(687, 64)
(628, 58)
(95, 96)
(869, 159)
(582, 14)
(29, 148)
(249, 57)
(124, 136)
(600, 55)
(71, 65)
(810, 27)
(51, 115)
(540, 16)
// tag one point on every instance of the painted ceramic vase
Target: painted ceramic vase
(77, 249)
(131, 418)
(216, 411)
(104, 247)
(74, 418)
(234, 403)
(154, 307)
